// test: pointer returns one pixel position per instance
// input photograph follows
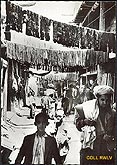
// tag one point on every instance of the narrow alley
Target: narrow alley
(73, 156)
(57, 64)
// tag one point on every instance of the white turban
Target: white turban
(102, 90)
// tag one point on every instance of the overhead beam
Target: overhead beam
(96, 4)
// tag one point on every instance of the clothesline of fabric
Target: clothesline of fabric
(11, 7)
(81, 57)
(65, 34)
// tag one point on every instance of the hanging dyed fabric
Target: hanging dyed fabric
(82, 30)
(111, 42)
(10, 49)
(14, 16)
(77, 37)
(87, 62)
(84, 57)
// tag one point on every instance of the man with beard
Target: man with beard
(96, 120)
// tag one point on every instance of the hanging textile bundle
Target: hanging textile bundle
(64, 60)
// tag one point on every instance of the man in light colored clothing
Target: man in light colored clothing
(96, 121)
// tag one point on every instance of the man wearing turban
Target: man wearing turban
(102, 90)
(96, 121)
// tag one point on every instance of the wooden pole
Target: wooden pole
(101, 27)
(102, 17)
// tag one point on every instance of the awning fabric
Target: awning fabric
(89, 74)
(39, 72)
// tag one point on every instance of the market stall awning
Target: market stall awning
(89, 74)
(39, 72)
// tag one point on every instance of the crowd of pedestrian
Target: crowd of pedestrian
(92, 106)
(94, 116)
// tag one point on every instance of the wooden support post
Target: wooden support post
(102, 17)
(101, 27)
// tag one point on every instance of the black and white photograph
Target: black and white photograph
(58, 82)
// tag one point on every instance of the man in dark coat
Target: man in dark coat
(39, 148)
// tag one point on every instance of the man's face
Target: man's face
(41, 125)
(104, 101)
